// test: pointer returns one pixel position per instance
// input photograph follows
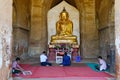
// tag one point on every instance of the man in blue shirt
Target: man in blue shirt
(66, 60)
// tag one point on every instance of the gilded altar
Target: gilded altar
(55, 49)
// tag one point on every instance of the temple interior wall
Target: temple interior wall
(88, 33)
(92, 20)
(21, 27)
(97, 29)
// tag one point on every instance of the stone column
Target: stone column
(117, 38)
(5, 38)
(89, 31)
(38, 32)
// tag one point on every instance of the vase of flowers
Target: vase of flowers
(57, 47)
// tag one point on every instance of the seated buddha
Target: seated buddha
(64, 30)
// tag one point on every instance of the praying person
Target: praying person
(102, 64)
(44, 59)
(66, 60)
(16, 68)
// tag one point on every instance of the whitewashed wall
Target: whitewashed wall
(5, 31)
(117, 26)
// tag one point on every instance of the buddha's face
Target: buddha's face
(64, 16)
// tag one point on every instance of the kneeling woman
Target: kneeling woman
(102, 64)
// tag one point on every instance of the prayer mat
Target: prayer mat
(63, 72)
(92, 66)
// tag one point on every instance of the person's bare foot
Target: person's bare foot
(61, 65)
(47, 65)
(17, 74)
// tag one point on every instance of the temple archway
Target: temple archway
(97, 28)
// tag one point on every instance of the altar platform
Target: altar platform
(56, 52)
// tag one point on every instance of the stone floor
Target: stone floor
(18, 78)
(35, 61)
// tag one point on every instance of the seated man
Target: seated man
(16, 68)
(102, 64)
(43, 60)
(66, 60)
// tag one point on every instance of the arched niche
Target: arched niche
(53, 17)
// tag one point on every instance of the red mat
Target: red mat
(76, 78)
(61, 72)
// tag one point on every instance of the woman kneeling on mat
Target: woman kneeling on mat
(102, 64)
(16, 68)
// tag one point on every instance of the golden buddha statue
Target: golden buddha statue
(64, 30)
